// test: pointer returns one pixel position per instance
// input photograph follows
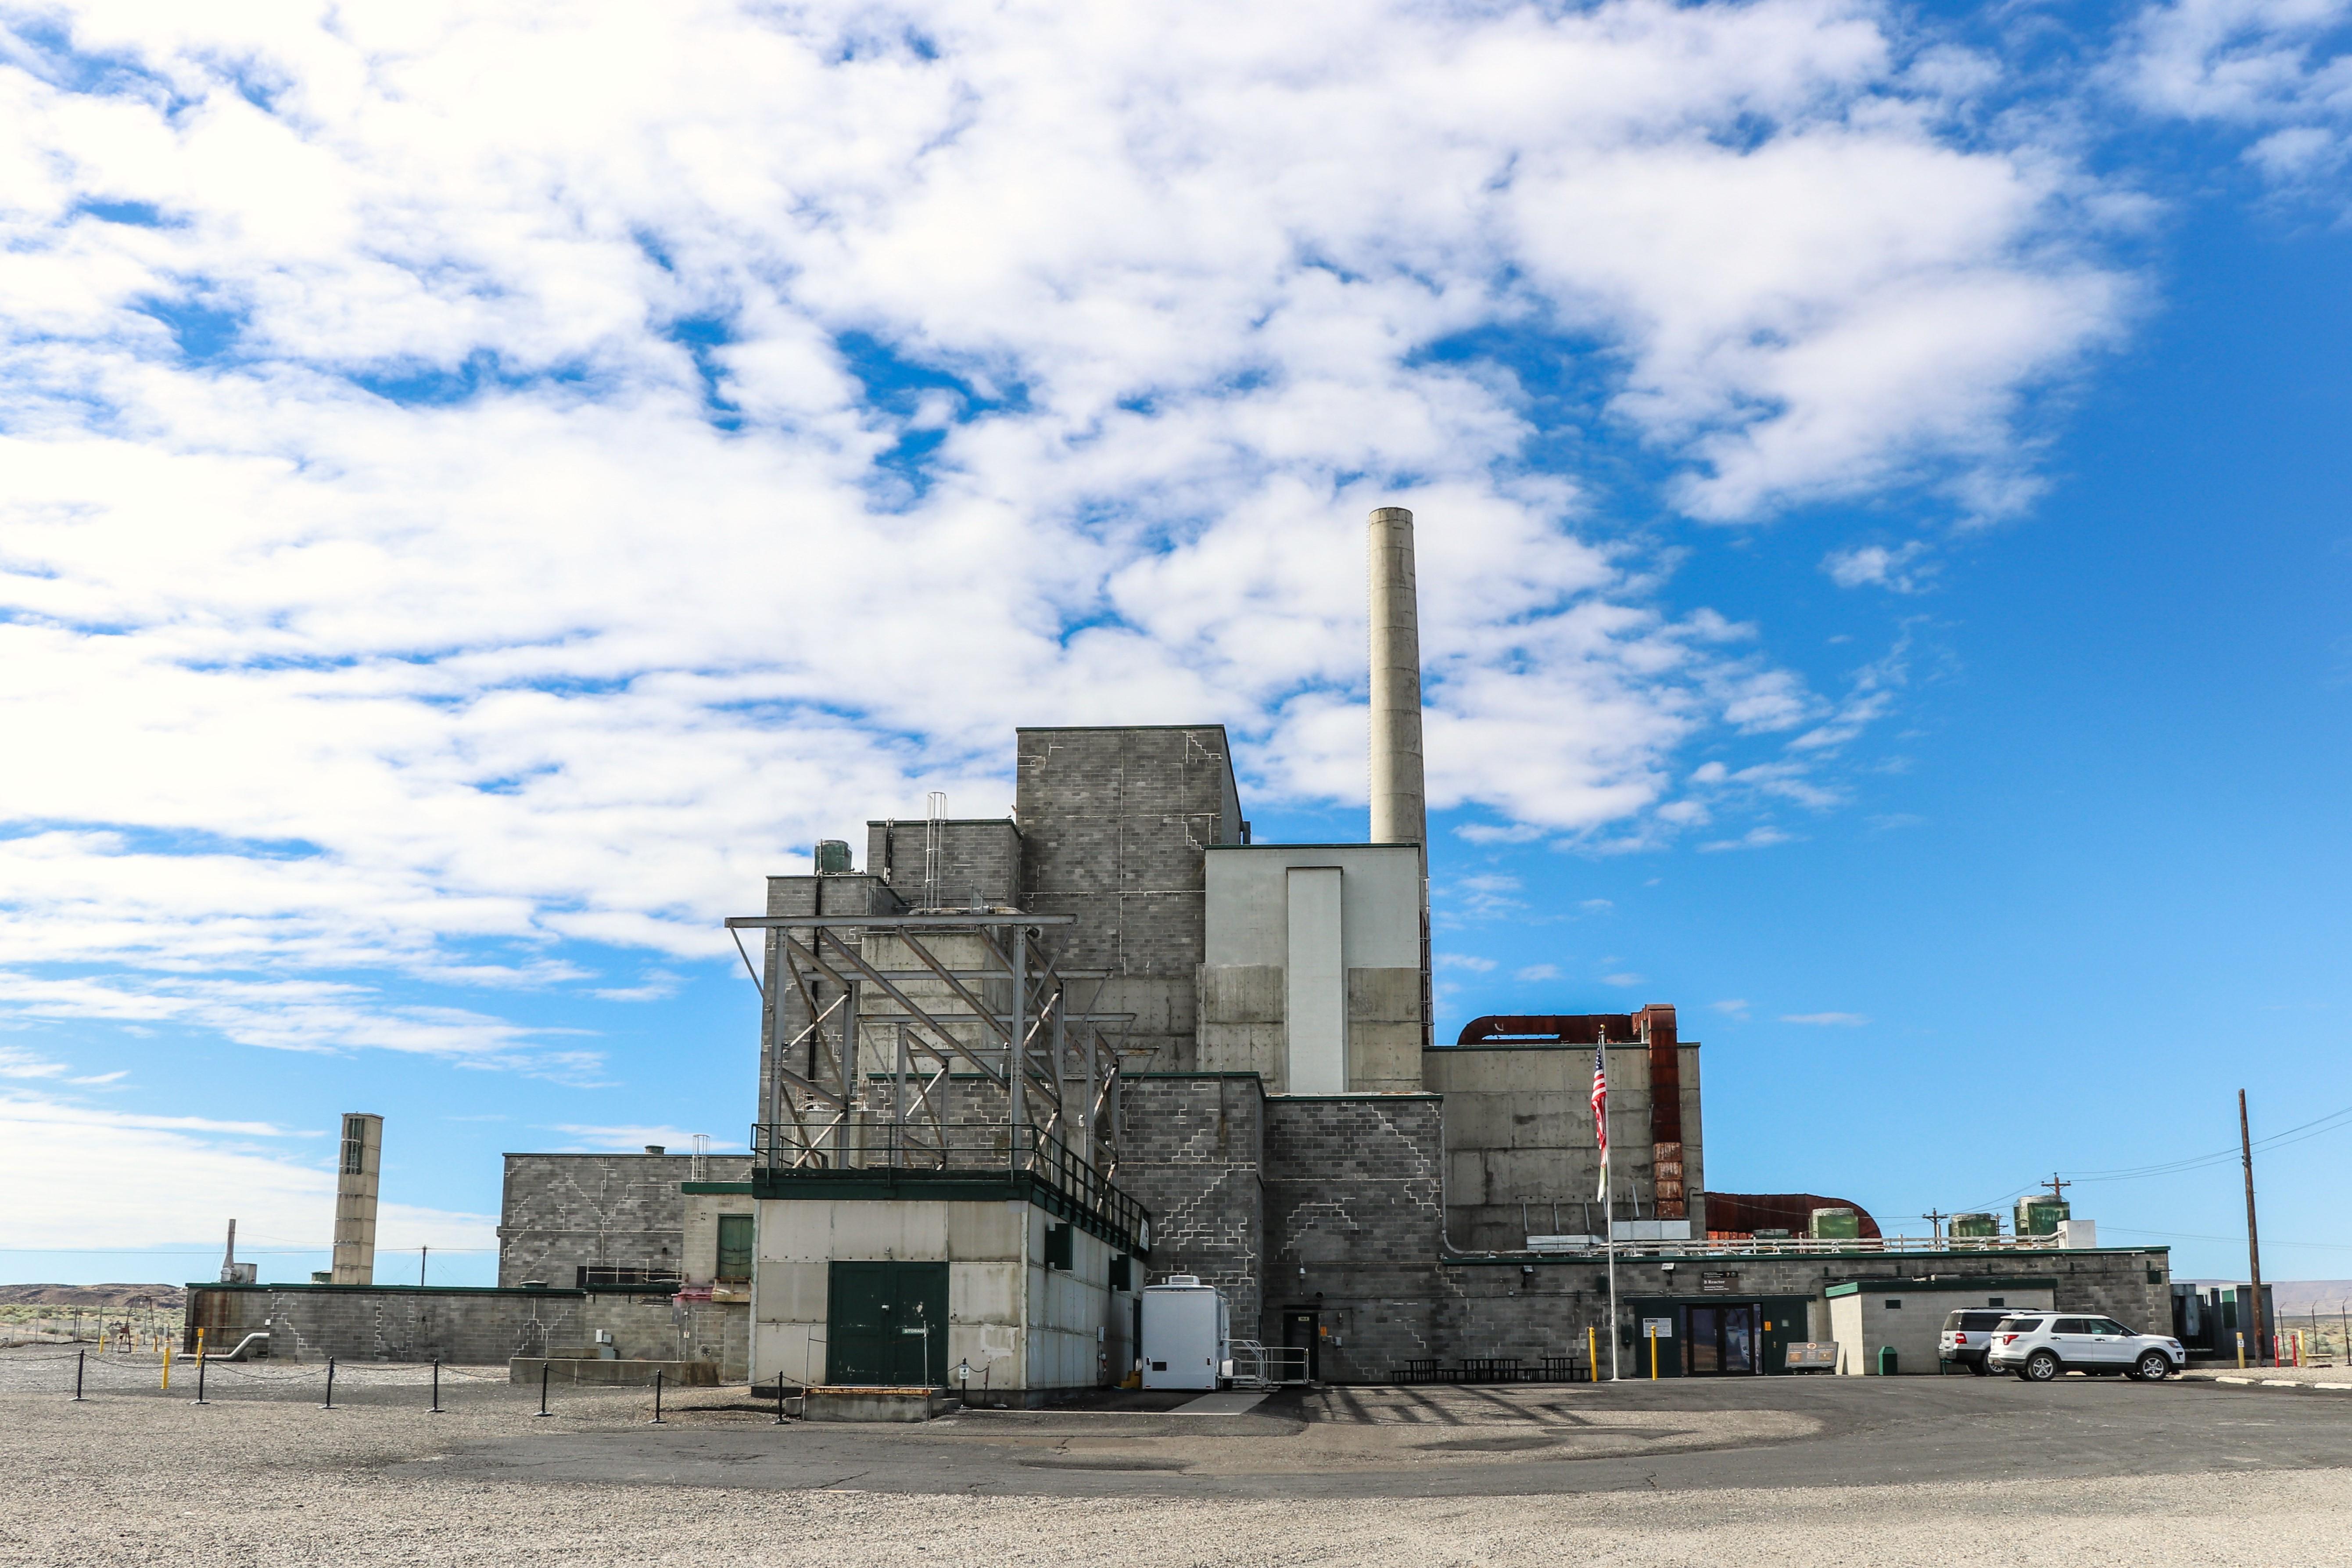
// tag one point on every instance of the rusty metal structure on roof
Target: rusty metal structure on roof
(934, 1041)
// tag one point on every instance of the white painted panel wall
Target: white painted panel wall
(1017, 1324)
(1314, 983)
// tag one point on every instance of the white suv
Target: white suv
(2038, 1346)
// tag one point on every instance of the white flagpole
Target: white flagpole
(1608, 1225)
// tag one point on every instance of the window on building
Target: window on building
(354, 1145)
(1122, 1272)
(1892, 1305)
(1061, 1247)
(734, 1247)
(1996, 1300)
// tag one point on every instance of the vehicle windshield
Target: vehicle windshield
(2017, 1325)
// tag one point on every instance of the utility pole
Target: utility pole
(422, 1254)
(2057, 1188)
(2253, 1237)
(1936, 1222)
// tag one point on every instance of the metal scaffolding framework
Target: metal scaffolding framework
(933, 1041)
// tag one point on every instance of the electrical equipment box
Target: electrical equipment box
(1187, 1333)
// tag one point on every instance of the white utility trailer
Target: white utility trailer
(1187, 1334)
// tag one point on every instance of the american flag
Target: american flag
(1600, 1110)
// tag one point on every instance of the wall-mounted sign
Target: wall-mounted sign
(1657, 1328)
(1720, 1280)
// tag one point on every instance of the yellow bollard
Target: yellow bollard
(1653, 1358)
(167, 1369)
(2242, 1352)
(1592, 1351)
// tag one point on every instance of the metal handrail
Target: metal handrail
(881, 1144)
(1812, 1247)
(1261, 1366)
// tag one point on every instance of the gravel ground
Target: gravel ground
(263, 1475)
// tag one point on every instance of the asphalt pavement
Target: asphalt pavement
(1773, 1433)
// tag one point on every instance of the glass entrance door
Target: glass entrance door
(1722, 1340)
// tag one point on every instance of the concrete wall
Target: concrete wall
(1194, 1157)
(1252, 1005)
(561, 1212)
(1910, 1317)
(1114, 824)
(449, 1323)
(1518, 1138)
(1020, 1326)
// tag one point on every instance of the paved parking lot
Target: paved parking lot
(1754, 1472)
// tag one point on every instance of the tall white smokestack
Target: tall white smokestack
(1399, 806)
(357, 1175)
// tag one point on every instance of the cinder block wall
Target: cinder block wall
(419, 1323)
(562, 1211)
(1113, 826)
(1354, 1225)
(1194, 1157)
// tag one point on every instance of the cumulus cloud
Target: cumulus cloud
(487, 482)
(1898, 568)
(2277, 71)
(1841, 1020)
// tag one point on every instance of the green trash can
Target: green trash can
(1886, 1361)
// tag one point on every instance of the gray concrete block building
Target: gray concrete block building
(1012, 1071)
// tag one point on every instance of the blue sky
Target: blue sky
(1883, 550)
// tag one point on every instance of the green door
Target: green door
(880, 1319)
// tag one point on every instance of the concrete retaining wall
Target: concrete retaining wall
(474, 1327)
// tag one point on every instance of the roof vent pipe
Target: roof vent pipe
(1400, 809)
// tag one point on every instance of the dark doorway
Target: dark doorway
(1302, 1329)
(880, 1319)
(1722, 1340)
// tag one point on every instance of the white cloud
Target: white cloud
(2277, 70)
(1621, 977)
(1535, 972)
(193, 1175)
(1470, 962)
(1733, 1006)
(1846, 1020)
(601, 620)
(1895, 569)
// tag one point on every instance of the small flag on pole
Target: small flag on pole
(1601, 1112)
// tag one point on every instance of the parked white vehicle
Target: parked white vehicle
(2039, 1346)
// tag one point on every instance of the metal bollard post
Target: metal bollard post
(436, 1387)
(657, 1387)
(330, 1384)
(200, 1377)
(78, 1360)
(780, 1399)
(543, 1389)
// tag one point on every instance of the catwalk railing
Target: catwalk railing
(880, 1147)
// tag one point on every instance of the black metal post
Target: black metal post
(78, 1360)
(200, 1379)
(330, 1384)
(436, 1386)
(780, 1399)
(657, 1385)
(543, 1388)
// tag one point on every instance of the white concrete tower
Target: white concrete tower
(357, 1175)
(1400, 807)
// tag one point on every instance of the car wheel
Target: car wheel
(1980, 1367)
(2153, 1367)
(2039, 1367)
